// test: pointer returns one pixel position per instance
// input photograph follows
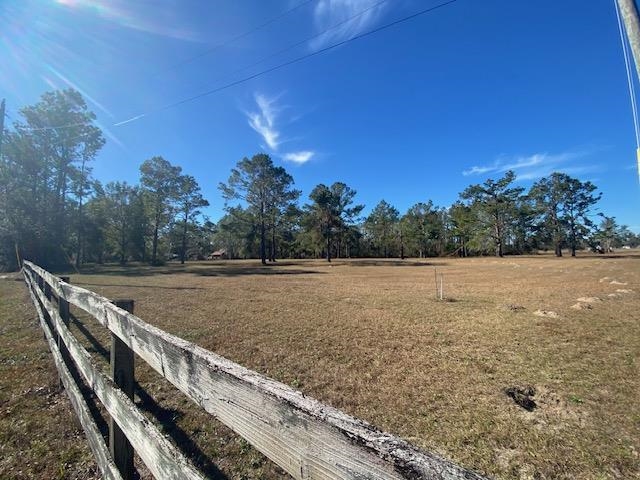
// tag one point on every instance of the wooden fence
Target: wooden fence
(306, 438)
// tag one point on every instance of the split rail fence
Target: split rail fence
(306, 438)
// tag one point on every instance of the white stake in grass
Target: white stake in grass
(440, 286)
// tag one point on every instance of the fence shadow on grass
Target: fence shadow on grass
(266, 270)
(226, 269)
(159, 287)
(382, 262)
(97, 347)
(607, 256)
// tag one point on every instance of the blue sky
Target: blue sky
(415, 112)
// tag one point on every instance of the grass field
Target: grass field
(370, 337)
(39, 436)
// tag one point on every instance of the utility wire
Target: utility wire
(240, 36)
(205, 53)
(290, 62)
(306, 40)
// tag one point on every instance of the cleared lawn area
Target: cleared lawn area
(370, 338)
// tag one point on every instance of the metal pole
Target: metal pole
(629, 13)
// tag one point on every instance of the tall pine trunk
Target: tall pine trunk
(263, 234)
(80, 251)
(498, 238)
(156, 227)
(123, 244)
(154, 251)
(273, 242)
(183, 251)
(328, 242)
(558, 248)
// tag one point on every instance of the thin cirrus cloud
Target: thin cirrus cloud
(535, 166)
(264, 121)
(328, 13)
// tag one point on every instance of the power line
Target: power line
(240, 36)
(306, 40)
(290, 62)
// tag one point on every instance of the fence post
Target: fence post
(63, 311)
(122, 372)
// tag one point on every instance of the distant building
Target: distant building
(218, 255)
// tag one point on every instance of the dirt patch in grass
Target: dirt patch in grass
(582, 306)
(370, 338)
(589, 299)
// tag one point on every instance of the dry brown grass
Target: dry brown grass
(39, 436)
(370, 338)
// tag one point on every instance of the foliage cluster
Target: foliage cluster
(53, 212)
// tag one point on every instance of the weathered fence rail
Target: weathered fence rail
(306, 438)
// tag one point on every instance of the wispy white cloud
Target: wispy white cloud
(475, 170)
(536, 166)
(299, 157)
(354, 16)
(263, 121)
(548, 170)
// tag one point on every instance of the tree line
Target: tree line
(55, 213)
